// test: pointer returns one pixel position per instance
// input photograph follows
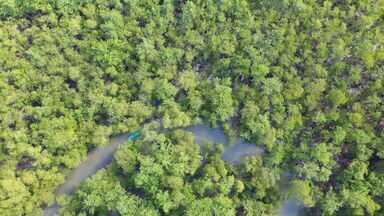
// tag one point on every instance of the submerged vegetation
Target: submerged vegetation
(303, 78)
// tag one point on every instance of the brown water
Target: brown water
(234, 153)
(96, 160)
(103, 156)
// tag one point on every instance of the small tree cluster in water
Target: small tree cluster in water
(166, 174)
(303, 78)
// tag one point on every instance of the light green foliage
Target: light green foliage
(173, 116)
(331, 204)
(258, 178)
(103, 194)
(8, 189)
(220, 104)
(337, 97)
(304, 79)
(216, 206)
(301, 190)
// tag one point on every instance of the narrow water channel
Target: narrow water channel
(103, 156)
(234, 152)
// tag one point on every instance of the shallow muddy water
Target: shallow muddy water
(234, 152)
(103, 156)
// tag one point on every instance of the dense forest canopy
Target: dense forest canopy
(303, 78)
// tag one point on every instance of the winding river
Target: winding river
(103, 156)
